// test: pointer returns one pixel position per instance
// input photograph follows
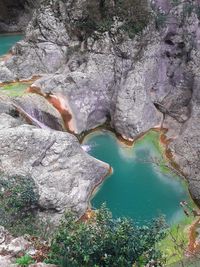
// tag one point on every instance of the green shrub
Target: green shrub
(188, 8)
(175, 2)
(104, 241)
(99, 16)
(24, 261)
(160, 20)
(18, 198)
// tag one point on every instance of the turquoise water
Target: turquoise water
(137, 188)
(7, 41)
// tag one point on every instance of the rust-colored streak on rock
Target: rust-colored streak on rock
(194, 245)
(89, 214)
(55, 101)
(66, 116)
(6, 57)
(34, 90)
(168, 153)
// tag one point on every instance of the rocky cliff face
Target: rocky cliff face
(138, 82)
(15, 14)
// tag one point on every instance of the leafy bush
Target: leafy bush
(18, 198)
(104, 241)
(24, 261)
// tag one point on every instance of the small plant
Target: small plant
(18, 198)
(160, 20)
(188, 8)
(24, 261)
(99, 15)
(175, 2)
(104, 241)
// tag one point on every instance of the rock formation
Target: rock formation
(11, 248)
(138, 82)
(39, 112)
(15, 14)
(63, 174)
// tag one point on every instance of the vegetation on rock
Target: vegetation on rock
(18, 198)
(130, 16)
(103, 241)
(14, 89)
(24, 261)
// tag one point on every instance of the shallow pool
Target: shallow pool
(138, 188)
(7, 41)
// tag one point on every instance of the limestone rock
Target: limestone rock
(134, 111)
(6, 105)
(17, 245)
(37, 109)
(6, 261)
(186, 148)
(85, 94)
(64, 174)
(15, 14)
(8, 121)
(6, 74)
(4, 235)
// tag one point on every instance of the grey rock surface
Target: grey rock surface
(6, 105)
(63, 173)
(39, 111)
(11, 247)
(15, 246)
(6, 261)
(6, 121)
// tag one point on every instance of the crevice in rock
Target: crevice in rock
(43, 155)
(15, 14)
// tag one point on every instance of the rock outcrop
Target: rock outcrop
(63, 174)
(15, 14)
(11, 248)
(39, 111)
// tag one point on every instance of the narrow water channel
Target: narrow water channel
(138, 188)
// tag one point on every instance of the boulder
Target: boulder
(7, 261)
(63, 174)
(39, 111)
(16, 246)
